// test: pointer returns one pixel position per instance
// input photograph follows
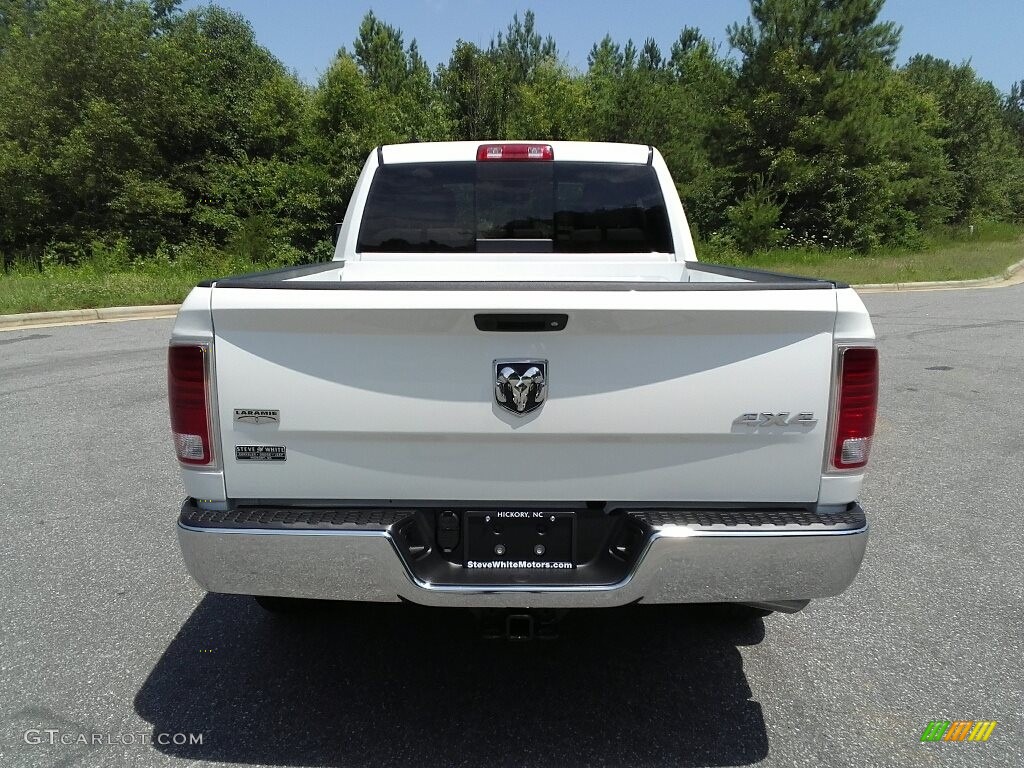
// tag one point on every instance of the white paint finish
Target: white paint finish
(388, 394)
(345, 248)
(516, 266)
(194, 321)
(840, 489)
(564, 151)
(601, 268)
(681, 236)
(782, 309)
(208, 486)
(852, 320)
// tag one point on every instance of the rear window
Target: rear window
(481, 207)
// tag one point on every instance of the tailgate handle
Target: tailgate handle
(522, 323)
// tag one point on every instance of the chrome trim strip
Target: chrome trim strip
(659, 532)
(705, 533)
(282, 531)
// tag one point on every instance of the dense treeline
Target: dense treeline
(135, 126)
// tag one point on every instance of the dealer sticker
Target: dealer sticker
(260, 453)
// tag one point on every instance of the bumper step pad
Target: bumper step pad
(298, 518)
(773, 519)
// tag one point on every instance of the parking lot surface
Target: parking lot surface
(102, 632)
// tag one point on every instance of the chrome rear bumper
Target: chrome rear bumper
(678, 564)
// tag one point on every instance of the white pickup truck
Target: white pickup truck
(515, 387)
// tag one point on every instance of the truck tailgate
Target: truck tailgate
(389, 394)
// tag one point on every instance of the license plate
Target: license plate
(520, 540)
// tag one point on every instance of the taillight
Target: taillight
(187, 367)
(515, 152)
(856, 407)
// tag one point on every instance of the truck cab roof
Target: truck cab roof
(556, 200)
(569, 151)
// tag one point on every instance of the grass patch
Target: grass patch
(956, 256)
(68, 289)
(26, 290)
(99, 284)
(103, 282)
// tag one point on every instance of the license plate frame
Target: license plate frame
(519, 532)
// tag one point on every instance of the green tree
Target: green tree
(347, 121)
(484, 90)
(139, 126)
(813, 118)
(130, 120)
(552, 105)
(74, 121)
(841, 34)
(650, 58)
(400, 78)
(676, 105)
(468, 86)
(380, 54)
(1014, 108)
(605, 69)
(233, 119)
(520, 50)
(754, 219)
(702, 165)
(983, 153)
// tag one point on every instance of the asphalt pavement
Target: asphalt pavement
(105, 640)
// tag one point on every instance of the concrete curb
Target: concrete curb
(80, 316)
(113, 314)
(933, 285)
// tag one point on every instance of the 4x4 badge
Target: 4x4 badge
(783, 419)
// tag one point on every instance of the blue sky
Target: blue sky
(305, 34)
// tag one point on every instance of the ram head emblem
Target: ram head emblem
(520, 386)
